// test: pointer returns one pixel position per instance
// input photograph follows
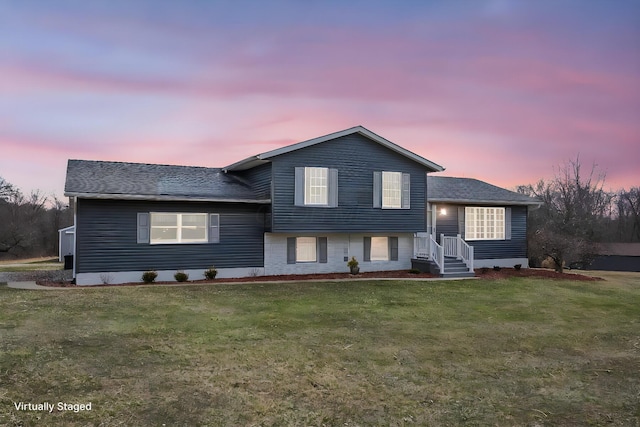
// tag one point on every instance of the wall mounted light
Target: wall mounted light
(443, 211)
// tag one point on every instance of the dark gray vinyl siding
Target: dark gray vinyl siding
(356, 158)
(106, 236)
(516, 247)
(260, 179)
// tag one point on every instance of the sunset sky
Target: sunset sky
(503, 91)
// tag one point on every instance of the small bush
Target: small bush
(149, 276)
(211, 273)
(415, 271)
(517, 266)
(181, 276)
(496, 268)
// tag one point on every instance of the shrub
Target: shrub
(415, 271)
(149, 276)
(496, 268)
(181, 276)
(353, 262)
(517, 266)
(211, 273)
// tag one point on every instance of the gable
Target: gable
(259, 159)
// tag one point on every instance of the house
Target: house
(304, 208)
(616, 257)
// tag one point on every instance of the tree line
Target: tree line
(577, 214)
(29, 223)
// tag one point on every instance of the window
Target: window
(316, 187)
(306, 250)
(178, 228)
(379, 249)
(316, 190)
(391, 190)
(484, 223)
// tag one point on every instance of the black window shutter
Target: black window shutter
(393, 248)
(461, 221)
(367, 249)
(406, 191)
(291, 250)
(143, 227)
(333, 188)
(299, 187)
(377, 189)
(322, 250)
(214, 228)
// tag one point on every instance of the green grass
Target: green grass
(508, 352)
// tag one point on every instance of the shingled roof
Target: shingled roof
(469, 190)
(139, 181)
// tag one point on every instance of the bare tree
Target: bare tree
(569, 222)
(628, 207)
(19, 216)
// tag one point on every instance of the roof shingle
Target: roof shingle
(148, 181)
(469, 190)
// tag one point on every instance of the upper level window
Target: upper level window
(316, 186)
(483, 223)
(316, 183)
(391, 190)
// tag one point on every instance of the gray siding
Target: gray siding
(106, 237)
(516, 247)
(356, 158)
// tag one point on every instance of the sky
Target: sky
(503, 91)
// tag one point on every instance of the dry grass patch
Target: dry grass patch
(510, 352)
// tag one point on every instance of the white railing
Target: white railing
(466, 253)
(421, 245)
(436, 253)
(457, 248)
(450, 245)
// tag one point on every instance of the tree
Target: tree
(569, 222)
(628, 207)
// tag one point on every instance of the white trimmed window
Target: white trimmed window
(306, 249)
(168, 228)
(483, 223)
(391, 190)
(379, 249)
(316, 186)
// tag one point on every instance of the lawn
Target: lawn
(521, 351)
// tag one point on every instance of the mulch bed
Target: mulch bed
(491, 274)
(505, 273)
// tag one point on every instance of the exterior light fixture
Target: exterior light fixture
(443, 211)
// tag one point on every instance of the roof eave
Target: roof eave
(485, 202)
(154, 197)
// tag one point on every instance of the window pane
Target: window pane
(164, 235)
(391, 189)
(484, 223)
(379, 249)
(164, 219)
(316, 186)
(306, 249)
(196, 220)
